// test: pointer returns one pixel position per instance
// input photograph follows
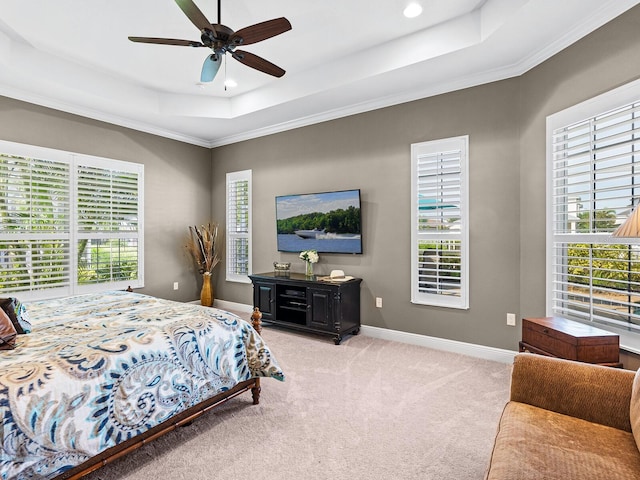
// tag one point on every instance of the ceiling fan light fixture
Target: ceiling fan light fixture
(412, 10)
(222, 40)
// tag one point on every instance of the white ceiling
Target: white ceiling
(342, 57)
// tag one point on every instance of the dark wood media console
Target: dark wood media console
(308, 304)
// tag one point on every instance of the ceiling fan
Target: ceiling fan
(221, 39)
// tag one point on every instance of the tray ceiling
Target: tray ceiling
(341, 57)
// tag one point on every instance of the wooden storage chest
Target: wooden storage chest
(559, 337)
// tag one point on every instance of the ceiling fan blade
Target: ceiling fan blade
(194, 14)
(167, 41)
(259, 63)
(210, 68)
(261, 31)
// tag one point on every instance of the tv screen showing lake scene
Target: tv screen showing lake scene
(329, 222)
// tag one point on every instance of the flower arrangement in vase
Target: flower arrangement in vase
(310, 257)
(204, 247)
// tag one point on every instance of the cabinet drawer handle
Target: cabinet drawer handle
(545, 330)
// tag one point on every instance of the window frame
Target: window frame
(589, 110)
(74, 161)
(232, 178)
(441, 147)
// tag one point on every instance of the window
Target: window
(70, 223)
(239, 226)
(594, 179)
(439, 235)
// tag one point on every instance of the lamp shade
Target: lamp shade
(631, 227)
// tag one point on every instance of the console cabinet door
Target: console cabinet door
(264, 295)
(320, 308)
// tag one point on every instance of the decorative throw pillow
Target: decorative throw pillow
(7, 332)
(17, 313)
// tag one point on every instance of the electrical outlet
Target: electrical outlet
(379, 302)
(175, 285)
(511, 319)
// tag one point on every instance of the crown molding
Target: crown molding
(473, 80)
(94, 114)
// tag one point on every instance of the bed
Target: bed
(102, 374)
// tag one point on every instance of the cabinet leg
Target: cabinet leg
(337, 339)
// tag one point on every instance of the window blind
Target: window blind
(439, 233)
(238, 261)
(68, 222)
(107, 200)
(35, 234)
(595, 179)
(107, 225)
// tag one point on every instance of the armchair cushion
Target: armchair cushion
(568, 420)
(540, 444)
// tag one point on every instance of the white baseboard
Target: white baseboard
(454, 346)
(470, 349)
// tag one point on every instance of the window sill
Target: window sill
(629, 340)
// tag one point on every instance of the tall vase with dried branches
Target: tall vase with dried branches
(204, 247)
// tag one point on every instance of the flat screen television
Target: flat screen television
(328, 222)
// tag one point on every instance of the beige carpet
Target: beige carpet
(367, 409)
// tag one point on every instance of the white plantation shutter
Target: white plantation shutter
(107, 200)
(594, 184)
(439, 222)
(108, 238)
(239, 226)
(34, 234)
(67, 221)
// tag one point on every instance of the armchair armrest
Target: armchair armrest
(591, 392)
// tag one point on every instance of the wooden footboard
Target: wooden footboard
(165, 427)
(169, 425)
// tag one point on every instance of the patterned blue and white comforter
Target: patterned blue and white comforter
(101, 368)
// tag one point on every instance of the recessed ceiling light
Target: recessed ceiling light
(229, 82)
(412, 10)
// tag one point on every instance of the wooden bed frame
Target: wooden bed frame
(179, 420)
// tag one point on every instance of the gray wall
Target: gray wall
(371, 152)
(177, 187)
(506, 124)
